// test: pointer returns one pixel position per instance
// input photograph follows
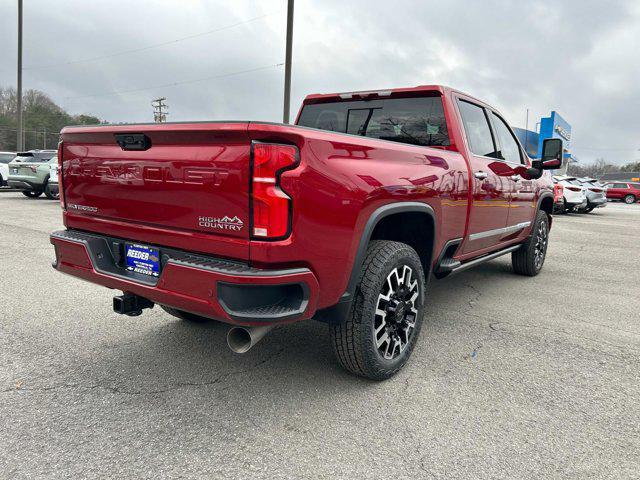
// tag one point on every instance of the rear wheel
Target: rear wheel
(182, 315)
(31, 193)
(377, 338)
(529, 258)
(589, 209)
(629, 199)
(49, 194)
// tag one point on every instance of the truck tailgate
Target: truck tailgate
(188, 188)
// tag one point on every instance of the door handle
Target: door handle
(481, 175)
(515, 178)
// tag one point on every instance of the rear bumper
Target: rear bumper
(597, 202)
(578, 203)
(228, 291)
(23, 185)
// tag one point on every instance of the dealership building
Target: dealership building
(553, 126)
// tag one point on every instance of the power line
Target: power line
(149, 47)
(174, 84)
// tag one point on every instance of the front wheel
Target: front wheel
(31, 193)
(629, 199)
(529, 258)
(377, 338)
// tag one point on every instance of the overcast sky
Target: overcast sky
(579, 57)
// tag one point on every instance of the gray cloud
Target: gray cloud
(578, 57)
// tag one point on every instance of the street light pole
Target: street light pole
(20, 140)
(287, 63)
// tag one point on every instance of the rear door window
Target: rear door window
(417, 121)
(477, 130)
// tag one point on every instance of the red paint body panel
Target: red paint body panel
(342, 179)
(195, 170)
(159, 195)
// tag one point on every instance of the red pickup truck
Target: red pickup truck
(343, 217)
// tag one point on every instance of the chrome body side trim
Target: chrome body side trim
(499, 231)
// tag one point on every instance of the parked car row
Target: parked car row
(583, 195)
(34, 172)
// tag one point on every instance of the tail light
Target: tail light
(596, 190)
(558, 191)
(270, 205)
(60, 184)
(574, 189)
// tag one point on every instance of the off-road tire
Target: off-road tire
(524, 260)
(182, 315)
(31, 193)
(630, 199)
(354, 340)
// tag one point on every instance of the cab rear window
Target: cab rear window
(417, 121)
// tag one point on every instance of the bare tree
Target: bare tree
(596, 169)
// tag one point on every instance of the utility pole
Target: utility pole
(20, 139)
(44, 138)
(159, 113)
(287, 63)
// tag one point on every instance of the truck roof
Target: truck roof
(383, 92)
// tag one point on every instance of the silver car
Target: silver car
(596, 193)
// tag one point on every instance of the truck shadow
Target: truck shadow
(177, 355)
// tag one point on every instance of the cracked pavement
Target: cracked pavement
(512, 377)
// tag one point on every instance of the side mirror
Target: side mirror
(551, 154)
(534, 173)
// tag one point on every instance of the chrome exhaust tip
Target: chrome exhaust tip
(242, 339)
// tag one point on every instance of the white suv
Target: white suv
(575, 195)
(5, 158)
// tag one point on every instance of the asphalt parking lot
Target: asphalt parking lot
(512, 377)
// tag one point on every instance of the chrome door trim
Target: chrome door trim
(499, 231)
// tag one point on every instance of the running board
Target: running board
(474, 263)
